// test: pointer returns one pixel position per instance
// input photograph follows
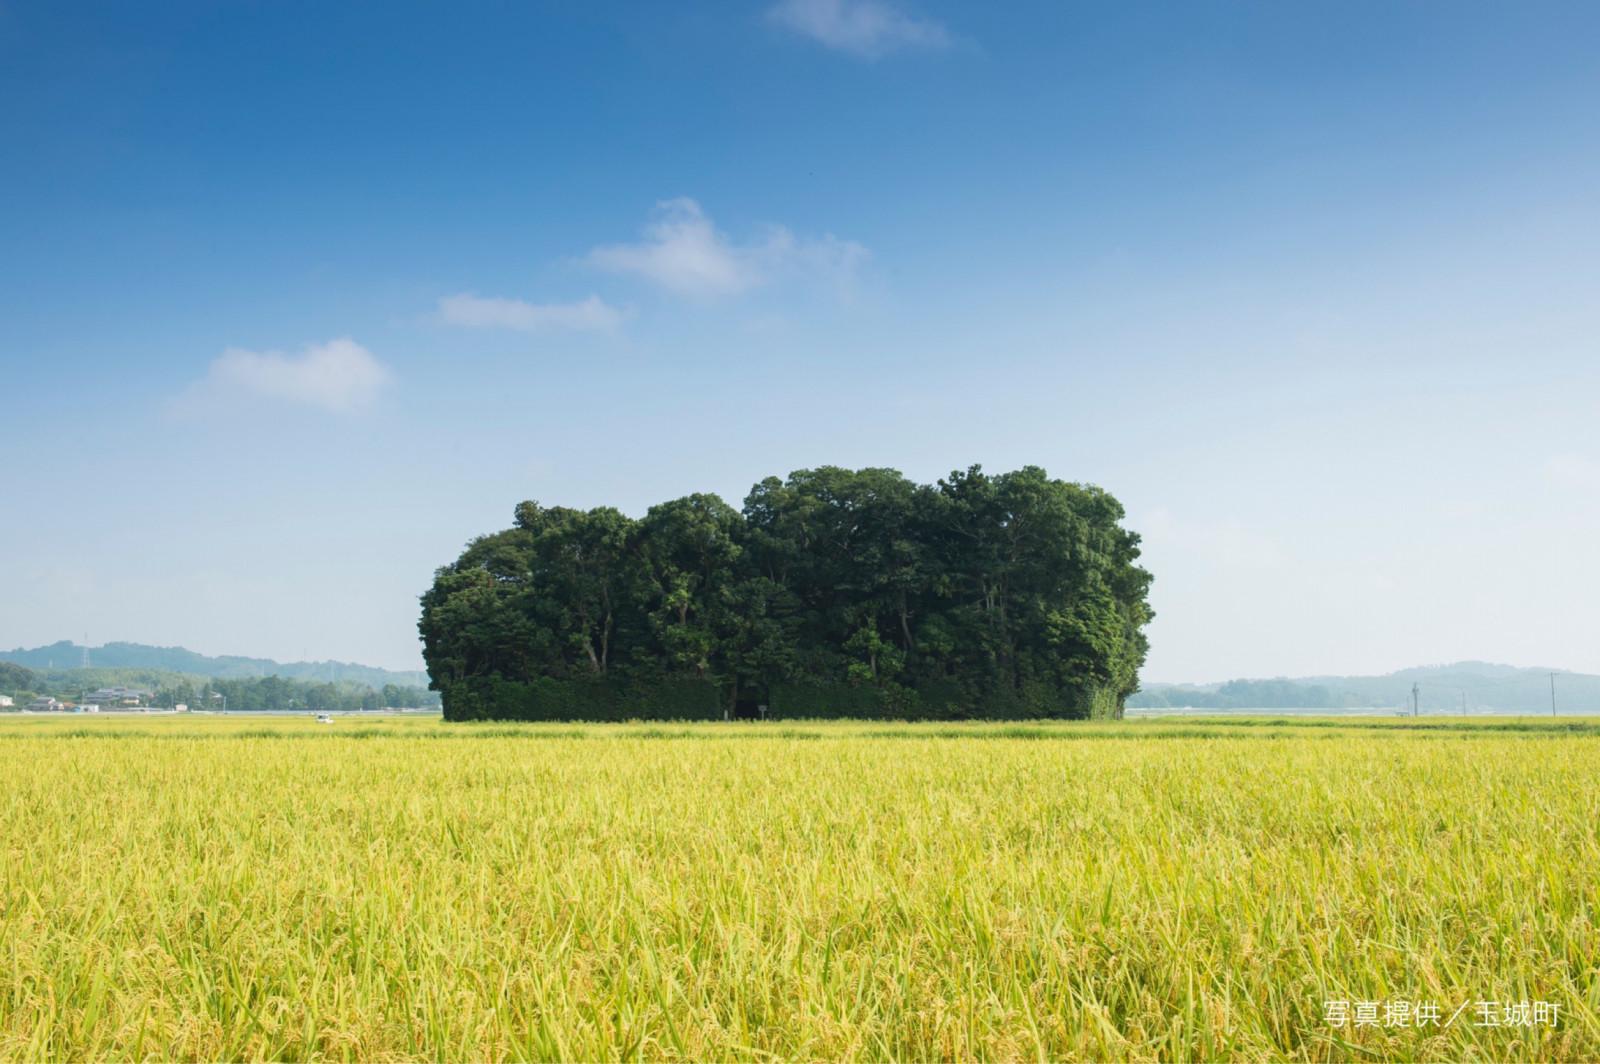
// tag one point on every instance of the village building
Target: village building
(116, 697)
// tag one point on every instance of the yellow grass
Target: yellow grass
(201, 889)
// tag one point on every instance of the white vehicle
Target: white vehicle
(323, 718)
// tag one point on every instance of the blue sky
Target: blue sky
(297, 298)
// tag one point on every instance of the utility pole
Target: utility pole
(1416, 700)
(1552, 694)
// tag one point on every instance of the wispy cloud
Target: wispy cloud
(478, 312)
(682, 251)
(338, 376)
(866, 28)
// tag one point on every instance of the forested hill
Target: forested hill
(1479, 686)
(66, 655)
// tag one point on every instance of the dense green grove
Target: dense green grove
(831, 593)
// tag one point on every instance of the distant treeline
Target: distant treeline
(1247, 694)
(197, 692)
(277, 692)
(1467, 686)
(832, 593)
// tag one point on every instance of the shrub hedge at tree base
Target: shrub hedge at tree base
(547, 699)
(544, 698)
(941, 701)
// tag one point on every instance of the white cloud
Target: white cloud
(339, 375)
(865, 28)
(477, 312)
(684, 252)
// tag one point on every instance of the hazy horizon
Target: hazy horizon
(1147, 680)
(297, 301)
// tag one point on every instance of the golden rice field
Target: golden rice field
(209, 889)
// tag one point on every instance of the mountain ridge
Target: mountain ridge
(1471, 686)
(66, 654)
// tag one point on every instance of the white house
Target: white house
(6, 701)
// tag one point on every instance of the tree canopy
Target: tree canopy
(833, 592)
(15, 680)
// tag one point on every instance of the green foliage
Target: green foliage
(835, 592)
(278, 693)
(1249, 694)
(545, 698)
(14, 679)
(167, 689)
